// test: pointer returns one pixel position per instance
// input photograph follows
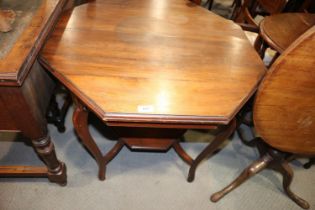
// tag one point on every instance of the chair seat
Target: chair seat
(280, 30)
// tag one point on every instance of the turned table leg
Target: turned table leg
(46, 150)
(212, 147)
(29, 119)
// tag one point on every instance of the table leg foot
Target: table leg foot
(250, 171)
(80, 122)
(59, 176)
(56, 169)
(212, 147)
(272, 159)
(108, 157)
(281, 165)
(102, 171)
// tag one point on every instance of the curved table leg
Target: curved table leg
(212, 147)
(143, 138)
(250, 171)
(182, 153)
(272, 159)
(80, 123)
(287, 173)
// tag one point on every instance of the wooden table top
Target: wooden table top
(20, 46)
(157, 61)
(283, 29)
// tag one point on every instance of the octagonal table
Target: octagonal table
(151, 69)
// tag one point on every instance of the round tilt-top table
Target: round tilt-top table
(151, 69)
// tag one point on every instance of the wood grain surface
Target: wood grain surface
(284, 110)
(154, 61)
(16, 63)
(281, 30)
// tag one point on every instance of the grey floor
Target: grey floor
(147, 180)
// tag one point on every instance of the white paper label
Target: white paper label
(145, 108)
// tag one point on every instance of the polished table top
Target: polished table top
(157, 61)
(281, 30)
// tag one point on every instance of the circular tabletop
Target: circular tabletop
(154, 61)
(281, 30)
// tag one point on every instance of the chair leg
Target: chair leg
(309, 163)
(56, 115)
(260, 46)
(233, 3)
(250, 171)
(210, 4)
(236, 10)
(258, 43)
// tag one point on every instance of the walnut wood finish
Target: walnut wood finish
(156, 55)
(25, 91)
(283, 115)
(23, 171)
(147, 137)
(293, 76)
(26, 107)
(211, 148)
(245, 17)
(198, 2)
(15, 65)
(281, 30)
(272, 7)
(271, 159)
(151, 137)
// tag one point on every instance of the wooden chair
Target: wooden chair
(280, 30)
(237, 4)
(247, 12)
(244, 15)
(284, 113)
(210, 3)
